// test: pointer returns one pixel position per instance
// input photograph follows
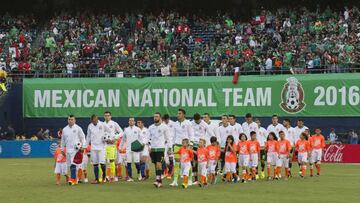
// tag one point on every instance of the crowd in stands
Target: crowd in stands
(283, 41)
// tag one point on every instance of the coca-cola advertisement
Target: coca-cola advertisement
(341, 153)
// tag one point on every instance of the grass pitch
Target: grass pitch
(32, 180)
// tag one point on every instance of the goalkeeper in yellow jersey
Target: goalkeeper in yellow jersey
(116, 132)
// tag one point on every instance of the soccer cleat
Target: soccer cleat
(190, 183)
(116, 179)
(139, 177)
(57, 183)
(173, 184)
(86, 180)
(236, 179)
(257, 177)
(262, 176)
(185, 185)
(269, 178)
(317, 174)
(159, 185)
(195, 183)
(169, 177)
(95, 182)
(129, 180)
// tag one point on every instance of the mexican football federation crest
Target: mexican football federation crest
(292, 96)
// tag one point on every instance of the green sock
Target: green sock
(176, 171)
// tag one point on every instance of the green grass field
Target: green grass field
(32, 180)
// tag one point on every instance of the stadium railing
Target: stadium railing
(139, 73)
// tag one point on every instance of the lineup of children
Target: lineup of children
(241, 159)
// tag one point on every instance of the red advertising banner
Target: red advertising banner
(341, 153)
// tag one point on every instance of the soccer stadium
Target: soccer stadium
(180, 101)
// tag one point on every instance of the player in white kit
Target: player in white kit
(275, 126)
(168, 161)
(131, 134)
(145, 154)
(224, 130)
(249, 125)
(110, 146)
(261, 137)
(73, 138)
(97, 133)
(212, 127)
(292, 137)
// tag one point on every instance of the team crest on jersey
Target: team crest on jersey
(200, 128)
(183, 126)
(227, 131)
(74, 131)
(292, 96)
(100, 127)
(159, 131)
(111, 126)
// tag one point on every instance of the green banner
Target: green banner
(285, 95)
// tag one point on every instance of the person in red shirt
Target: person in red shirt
(284, 154)
(317, 144)
(214, 155)
(83, 166)
(272, 156)
(230, 159)
(60, 164)
(186, 156)
(244, 155)
(203, 157)
(302, 146)
(254, 148)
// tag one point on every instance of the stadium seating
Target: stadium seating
(89, 45)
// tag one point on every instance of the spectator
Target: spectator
(353, 137)
(332, 136)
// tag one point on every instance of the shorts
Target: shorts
(132, 157)
(185, 168)
(212, 166)
(316, 155)
(156, 156)
(97, 157)
(176, 149)
(110, 152)
(60, 168)
(120, 158)
(145, 152)
(230, 167)
(254, 160)
(303, 157)
(84, 163)
(202, 168)
(70, 158)
(244, 160)
(272, 158)
(283, 161)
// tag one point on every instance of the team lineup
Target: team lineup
(199, 151)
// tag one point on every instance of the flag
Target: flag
(78, 157)
(236, 76)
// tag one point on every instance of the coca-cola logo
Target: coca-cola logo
(333, 153)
